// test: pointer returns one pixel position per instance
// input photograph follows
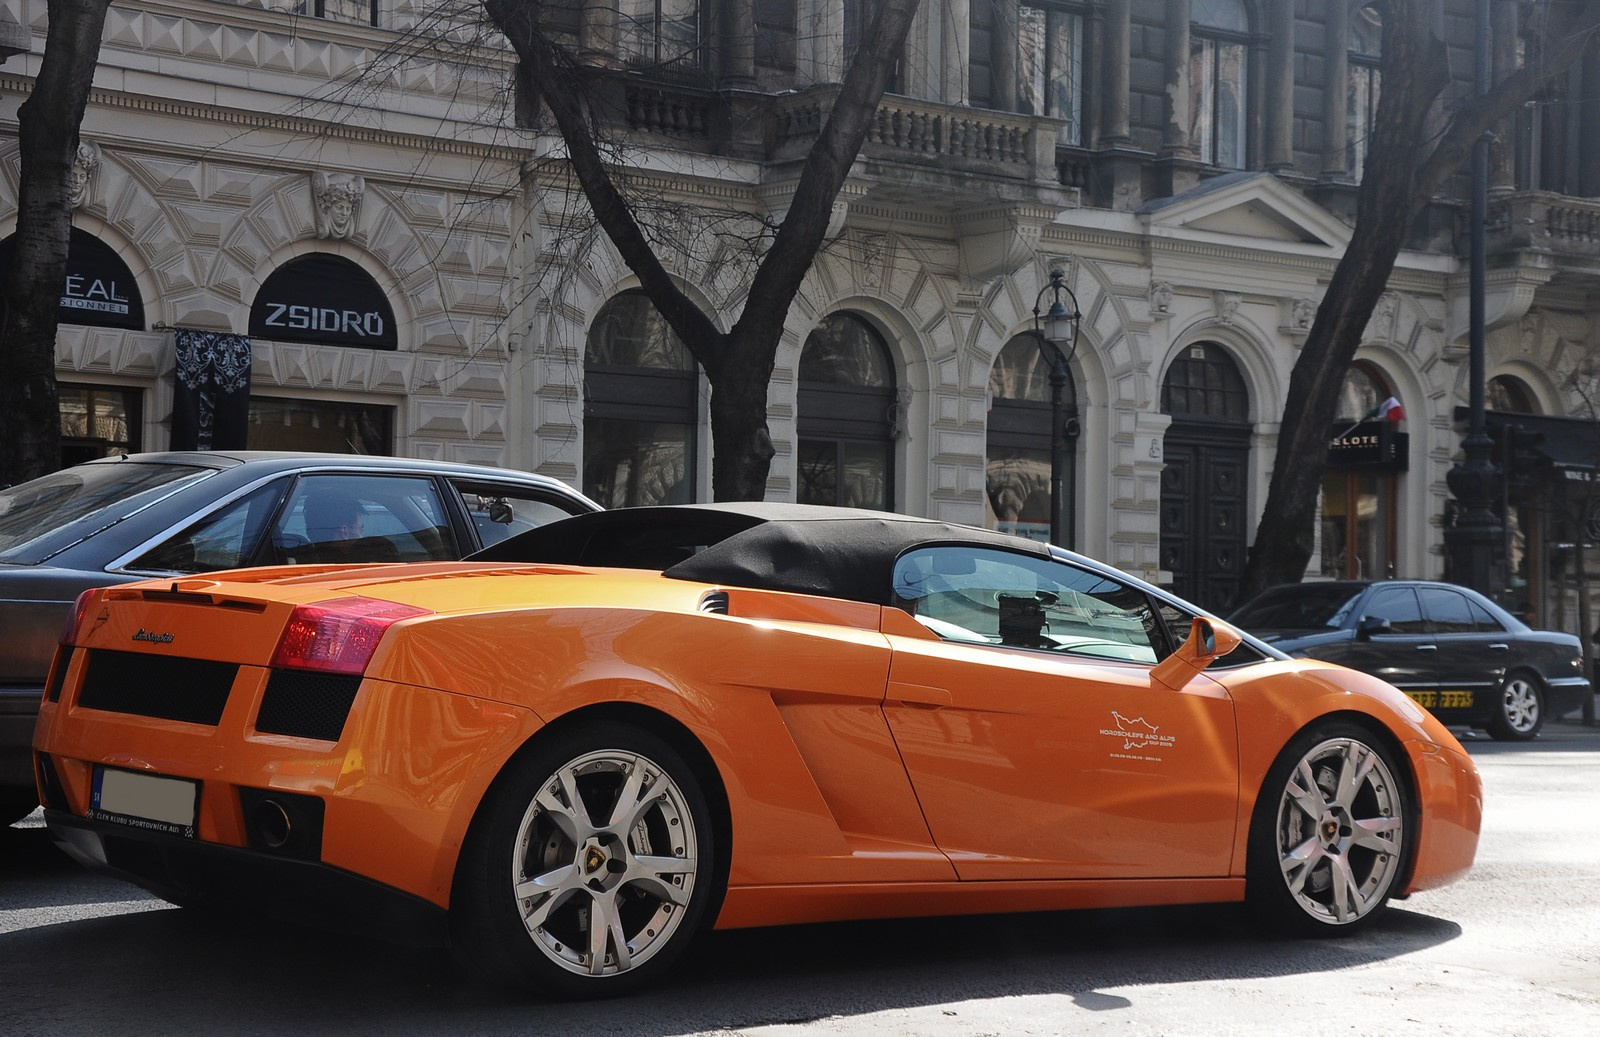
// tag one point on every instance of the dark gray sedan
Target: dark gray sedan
(1454, 651)
(121, 519)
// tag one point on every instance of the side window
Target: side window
(501, 511)
(1449, 611)
(225, 539)
(1399, 606)
(1483, 621)
(985, 596)
(364, 518)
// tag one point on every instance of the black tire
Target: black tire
(620, 897)
(1518, 708)
(1332, 833)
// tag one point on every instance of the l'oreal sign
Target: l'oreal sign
(99, 289)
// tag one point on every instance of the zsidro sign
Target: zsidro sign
(324, 299)
(99, 289)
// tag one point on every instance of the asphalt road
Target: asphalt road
(1513, 949)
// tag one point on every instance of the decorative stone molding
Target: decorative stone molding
(1381, 324)
(81, 179)
(1227, 304)
(1298, 315)
(1160, 300)
(336, 204)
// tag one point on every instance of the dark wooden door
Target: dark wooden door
(1203, 509)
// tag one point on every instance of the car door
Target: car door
(1035, 741)
(1394, 641)
(1473, 651)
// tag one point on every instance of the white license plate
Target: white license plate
(148, 801)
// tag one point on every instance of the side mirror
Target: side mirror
(1370, 625)
(1209, 639)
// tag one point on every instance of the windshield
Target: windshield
(34, 515)
(1304, 606)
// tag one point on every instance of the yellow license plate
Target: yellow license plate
(1442, 699)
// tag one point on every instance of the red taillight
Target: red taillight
(338, 636)
(79, 607)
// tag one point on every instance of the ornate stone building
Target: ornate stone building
(312, 173)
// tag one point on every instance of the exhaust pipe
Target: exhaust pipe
(272, 823)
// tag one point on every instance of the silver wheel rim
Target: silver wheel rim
(1521, 705)
(1340, 827)
(604, 862)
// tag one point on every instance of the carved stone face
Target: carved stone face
(338, 203)
(81, 175)
(339, 208)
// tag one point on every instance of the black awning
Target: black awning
(1566, 444)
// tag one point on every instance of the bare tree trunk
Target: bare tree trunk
(737, 363)
(1406, 168)
(47, 130)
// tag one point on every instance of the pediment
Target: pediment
(1250, 210)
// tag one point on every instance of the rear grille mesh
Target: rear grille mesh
(190, 690)
(307, 705)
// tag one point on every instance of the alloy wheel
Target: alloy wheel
(1339, 831)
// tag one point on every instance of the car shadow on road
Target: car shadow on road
(178, 972)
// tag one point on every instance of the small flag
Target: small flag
(1388, 410)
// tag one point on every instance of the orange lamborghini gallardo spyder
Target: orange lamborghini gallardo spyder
(568, 755)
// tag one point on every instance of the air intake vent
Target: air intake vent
(58, 672)
(715, 602)
(191, 690)
(307, 705)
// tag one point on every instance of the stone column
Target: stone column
(1004, 59)
(1175, 134)
(1278, 113)
(1503, 61)
(1335, 85)
(737, 28)
(1115, 82)
(597, 34)
(957, 45)
(1589, 144)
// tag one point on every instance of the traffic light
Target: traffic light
(1518, 452)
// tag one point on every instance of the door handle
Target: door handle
(1427, 648)
(1499, 647)
(918, 694)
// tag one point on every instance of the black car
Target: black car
(1451, 649)
(127, 518)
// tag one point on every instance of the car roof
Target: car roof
(294, 460)
(804, 549)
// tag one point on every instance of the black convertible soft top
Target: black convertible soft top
(805, 549)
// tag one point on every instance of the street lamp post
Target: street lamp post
(1474, 539)
(1051, 328)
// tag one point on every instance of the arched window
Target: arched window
(846, 416)
(1362, 394)
(1017, 454)
(1360, 483)
(1204, 383)
(1219, 82)
(639, 408)
(1365, 82)
(1504, 392)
